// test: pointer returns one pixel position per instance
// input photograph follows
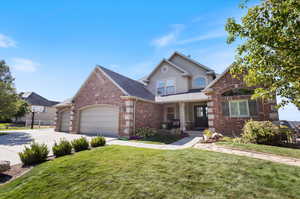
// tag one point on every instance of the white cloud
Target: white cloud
(169, 38)
(25, 65)
(6, 42)
(207, 36)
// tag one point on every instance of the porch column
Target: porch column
(182, 116)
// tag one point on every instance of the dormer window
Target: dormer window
(199, 82)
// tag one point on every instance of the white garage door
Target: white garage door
(103, 120)
(65, 121)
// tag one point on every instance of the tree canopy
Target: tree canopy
(269, 53)
(9, 100)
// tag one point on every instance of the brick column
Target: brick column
(129, 117)
(210, 115)
(72, 128)
(56, 121)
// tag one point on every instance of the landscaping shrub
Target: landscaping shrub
(145, 132)
(264, 132)
(34, 154)
(80, 144)
(64, 147)
(98, 141)
(208, 133)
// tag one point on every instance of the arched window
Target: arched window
(200, 82)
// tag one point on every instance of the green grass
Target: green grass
(7, 127)
(128, 172)
(283, 151)
(1, 133)
(160, 139)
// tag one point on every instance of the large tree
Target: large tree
(9, 100)
(269, 53)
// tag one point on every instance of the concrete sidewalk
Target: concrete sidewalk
(181, 144)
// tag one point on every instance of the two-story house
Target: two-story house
(178, 89)
(46, 113)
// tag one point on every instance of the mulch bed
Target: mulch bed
(14, 172)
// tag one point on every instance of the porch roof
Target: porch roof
(183, 97)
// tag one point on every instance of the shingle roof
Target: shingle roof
(132, 87)
(35, 99)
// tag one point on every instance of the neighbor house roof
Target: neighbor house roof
(34, 99)
(130, 86)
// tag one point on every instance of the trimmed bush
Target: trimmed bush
(80, 144)
(264, 132)
(34, 154)
(208, 133)
(145, 132)
(98, 141)
(64, 147)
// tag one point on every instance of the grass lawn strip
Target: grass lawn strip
(129, 172)
(282, 151)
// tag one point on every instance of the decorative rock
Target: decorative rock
(4, 166)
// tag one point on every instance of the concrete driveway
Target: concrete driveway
(15, 141)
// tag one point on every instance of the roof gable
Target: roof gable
(130, 86)
(190, 60)
(184, 72)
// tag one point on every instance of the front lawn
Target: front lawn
(160, 138)
(283, 151)
(129, 172)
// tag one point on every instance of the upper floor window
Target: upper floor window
(170, 87)
(165, 87)
(160, 88)
(200, 82)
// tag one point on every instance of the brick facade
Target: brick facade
(226, 124)
(57, 118)
(148, 114)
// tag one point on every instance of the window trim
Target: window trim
(164, 81)
(238, 104)
(197, 86)
(166, 111)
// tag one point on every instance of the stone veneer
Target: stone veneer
(226, 124)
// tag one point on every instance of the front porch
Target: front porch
(190, 117)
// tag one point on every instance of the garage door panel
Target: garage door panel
(100, 119)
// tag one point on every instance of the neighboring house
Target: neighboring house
(178, 88)
(48, 111)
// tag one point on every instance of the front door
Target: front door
(200, 116)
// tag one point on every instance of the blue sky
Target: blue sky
(52, 46)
